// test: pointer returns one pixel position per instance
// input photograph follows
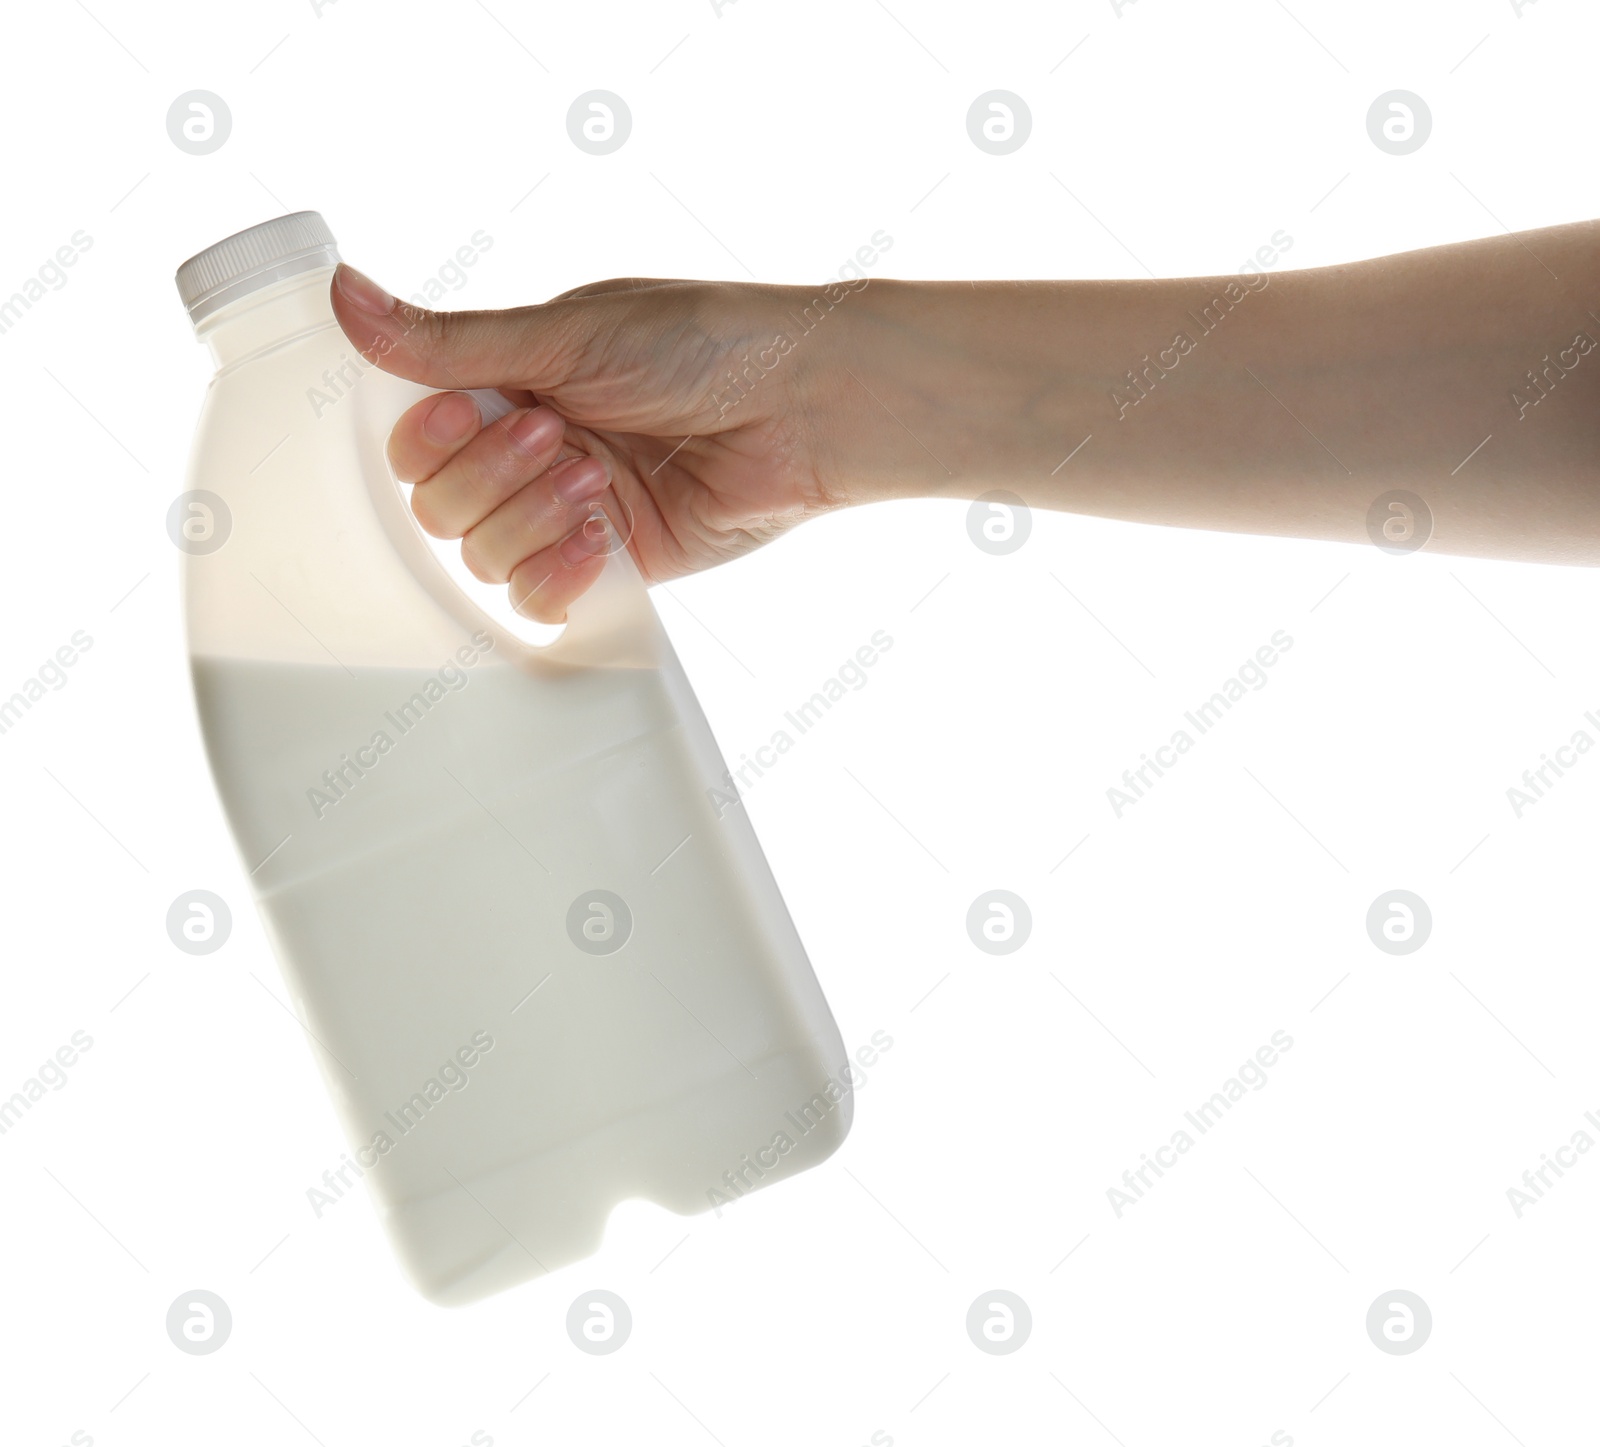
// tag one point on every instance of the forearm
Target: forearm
(1286, 409)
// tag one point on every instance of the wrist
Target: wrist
(938, 389)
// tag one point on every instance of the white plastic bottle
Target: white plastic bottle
(542, 972)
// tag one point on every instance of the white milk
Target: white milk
(540, 972)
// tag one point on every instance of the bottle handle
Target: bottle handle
(613, 624)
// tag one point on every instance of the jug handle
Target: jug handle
(612, 624)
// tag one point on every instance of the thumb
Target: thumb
(452, 350)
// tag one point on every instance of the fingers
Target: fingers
(525, 518)
(463, 471)
(544, 585)
(522, 520)
(429, 434)
(528, 347)
(534, 518)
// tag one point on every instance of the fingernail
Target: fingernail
(579, 478)
(450, 419)
(535, 429)
(588, 542)
(362, 292)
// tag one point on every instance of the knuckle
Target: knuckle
(542, 612)
(481, 468)
(529, 594)
(424, 331)
(477, 562)
(497, 461)
(426, 512)
(600, 288)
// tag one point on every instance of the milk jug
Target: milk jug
(535, 946)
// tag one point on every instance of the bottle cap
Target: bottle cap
(254, 258)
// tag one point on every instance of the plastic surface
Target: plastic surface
(541, 970)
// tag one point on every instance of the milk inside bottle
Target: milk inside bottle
(540, 969)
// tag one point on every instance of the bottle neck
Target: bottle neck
(267, 317)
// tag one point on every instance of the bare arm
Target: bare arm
(707, 417)
(1287, 405)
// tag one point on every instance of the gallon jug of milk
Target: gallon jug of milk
(540, 971)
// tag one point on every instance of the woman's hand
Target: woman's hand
(1286, 402)
(680, 408)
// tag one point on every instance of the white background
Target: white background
(1229, 1303)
